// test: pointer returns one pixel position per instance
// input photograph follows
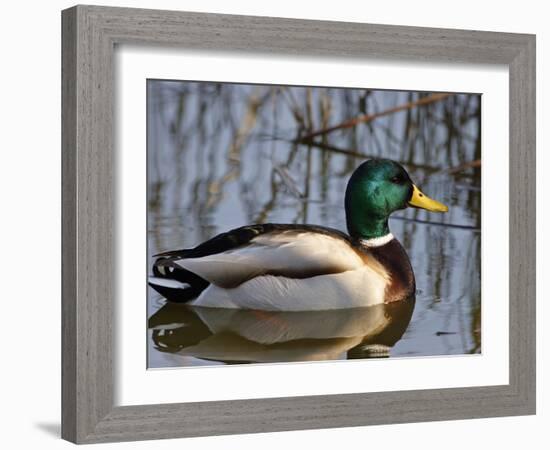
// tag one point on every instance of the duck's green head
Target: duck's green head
(377, 188)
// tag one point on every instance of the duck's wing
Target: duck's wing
(293, 251)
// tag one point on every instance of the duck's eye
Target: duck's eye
(397, 179)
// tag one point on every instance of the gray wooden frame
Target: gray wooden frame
(90, 34)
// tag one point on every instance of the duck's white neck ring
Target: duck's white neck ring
(377, 241)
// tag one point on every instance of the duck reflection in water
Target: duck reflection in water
(235, 336)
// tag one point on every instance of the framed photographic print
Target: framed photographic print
(335, 219)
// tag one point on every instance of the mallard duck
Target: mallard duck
(289, 267)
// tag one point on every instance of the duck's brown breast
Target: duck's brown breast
(393, 259)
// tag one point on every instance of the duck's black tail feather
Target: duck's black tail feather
(175, 283)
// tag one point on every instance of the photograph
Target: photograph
(297, 223)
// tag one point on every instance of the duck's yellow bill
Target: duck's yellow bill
(420, 200)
